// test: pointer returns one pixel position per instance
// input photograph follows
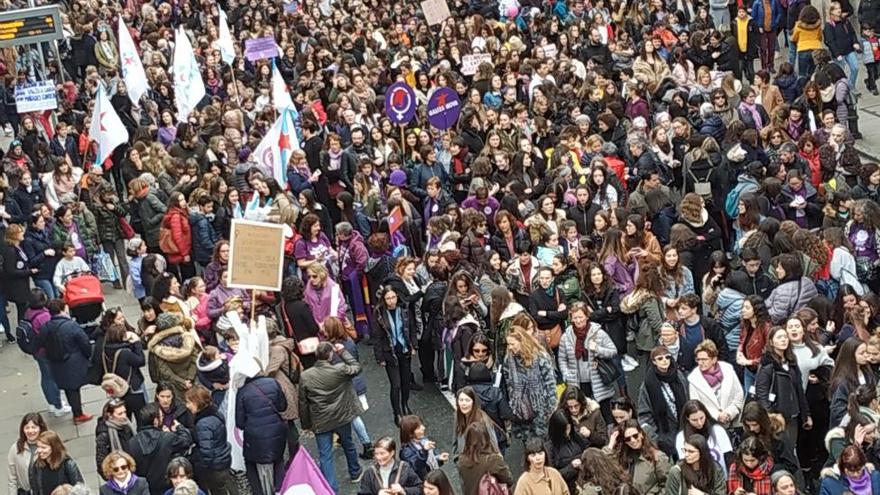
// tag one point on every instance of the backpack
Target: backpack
(54, 346)
(731, 204)
(26, 337)
(114, 385)
(702, 187)
(489, 485)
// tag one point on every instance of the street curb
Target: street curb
(865, 154)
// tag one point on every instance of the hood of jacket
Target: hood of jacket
(282, 341)
(205, 366)
(147, 439)
(737, 154)
(167, 351)
(512, 309)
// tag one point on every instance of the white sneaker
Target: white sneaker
(58, 412)
(8, 129)
(629, 363)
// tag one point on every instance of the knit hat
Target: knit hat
(397, 178)
(167, 320)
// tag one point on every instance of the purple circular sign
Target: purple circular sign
(444, 107)
(400, 103)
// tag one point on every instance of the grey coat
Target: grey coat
(327, 399)
(575, 372)
(789, 297)
(151, 211)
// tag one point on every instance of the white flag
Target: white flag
(274, 151)
(225, 43)
(132, 68)
(280, 94)
(106, 130)
(189, 89)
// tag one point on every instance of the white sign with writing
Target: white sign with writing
(35, 97)
(470, 63)
(550, 50)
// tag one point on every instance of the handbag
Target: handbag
(114, 385)
(305, 346)
(608, 371)
(166, 242)
(126, 229)
(552, 336)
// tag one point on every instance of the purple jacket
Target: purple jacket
(487, 209)
(623, 275)
(220, 295)
(38, 318)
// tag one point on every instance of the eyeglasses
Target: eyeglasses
(123, 467)
(632, 437)
(665, 357)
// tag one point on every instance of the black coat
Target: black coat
(612, 321)
(402, 473)
(35, 245)
(128, 365)
(102, 441)
(152, 448)
(780, 391)
(839, 37)
(582, 217)
(44, 480)
(383, 347)
(212, 451)
(302, 325)
(539, 300)
(69, 370)
(499, 244)
(15, 274)
(258, 408)
(560, 457)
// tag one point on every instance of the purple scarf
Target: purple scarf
(756, 115)
(713, 376)
(320, 300)
(116, 487)
(860, 485)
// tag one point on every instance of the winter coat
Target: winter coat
(60, 236)
(70, 372)
(812, 212)
(177, 221)
(840, 36)
(612, 321)
(709, 236)
(807, 36)
(575, 372)
(492, 400)
(383, 346)
(837, 485)
(15, 273)
(44, 479)
(152, 448)
(472, 473)
(650, 314)
(128, 365)
(401, 473)
(751, 38)
(648, 477)
(204, 237)
(173, 357)
(676, 484)
(729, 398)
(622, 274)
(583, 216)
(151, 211)
(560, 456)
(284, 366)
(212, 451)
(327, 399)
(102, 440)
(35, 245)
(728, 312)
(777, 13)
(258, 407)
(140, 487)
(869, 13)
(539, 300)
(787, 390)
(473, 251)
(788, 297)
(109, 229)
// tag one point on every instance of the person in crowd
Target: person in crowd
(393, 345)
(389, 474)
(68, 350)
(778, 385)
(173, 353)
(695, 419)
(716, 386)
(416, 449)
(154, 444)
(564, 447)
(537, 474)
(112, 432)
(22, 452)
(662, 398)
(123, 355)
(528, 373)
(328, 404)
(211, 456)
(52, 466)
(697, 470)
(437, 483)
(481, 460)
(299, 321)
(284, 366)
(258, 407)
(118, 468)
(752, 468)
(638, 455)
(180, 472)
(852, 476)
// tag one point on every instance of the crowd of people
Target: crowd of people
(650, 265)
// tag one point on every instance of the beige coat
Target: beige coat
(281, 358)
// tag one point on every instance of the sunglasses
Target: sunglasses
(480, 351)
(123, 467)
(665, 357)
(632, 437)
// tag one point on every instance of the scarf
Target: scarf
(654, 381)
(113, 429)
(128, 484)
(860, 485)
(335, 159)
(580, 337)
(753, 109)
(713, 376)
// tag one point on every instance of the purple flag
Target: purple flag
(304, 478)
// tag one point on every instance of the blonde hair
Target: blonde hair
(318, 270)
(13, 232)
(110, 460)
(530, 349)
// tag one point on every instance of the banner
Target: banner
(35, 97)
(260, 48)
(470, 63)
(444, 108)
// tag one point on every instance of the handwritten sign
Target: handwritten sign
(260, 48)
(35, 97)
(550, 51)
(470, 63)
(436, 11)
(256, 255)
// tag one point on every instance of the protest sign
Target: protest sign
(256, 255)
(260, 48)
(470, 63)
(436, 11)
(444, 108)
(35, 97)
(400, 103)
(550, 50)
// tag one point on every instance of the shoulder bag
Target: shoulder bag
(305, 346)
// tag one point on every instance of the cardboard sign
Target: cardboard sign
(550, 51)
(35, 97)
(436, 11)
(470, 63)
(256, 255)
(260, 48)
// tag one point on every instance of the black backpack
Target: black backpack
(26, 337)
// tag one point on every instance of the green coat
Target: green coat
(88, 232)
(649, 311)
(675, 484)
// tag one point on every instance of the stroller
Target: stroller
(85, 298)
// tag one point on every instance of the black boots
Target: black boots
(367, 455)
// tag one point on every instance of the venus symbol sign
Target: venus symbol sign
(400, 103)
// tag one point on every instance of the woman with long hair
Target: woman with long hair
(537, 474)
(22, 452)
(770, 430)
(600, 474)
(634, 451)
(695, 419)
(531, 384)
(850, 370)
(751, 468)
(564, 447)
(468, 410)
(323, 295)
(696, 470)
(662, 397)
(645, 302)
(641, 244)
(394, 347)
(752, 337)
(314, 246)
(179, 251)
(603, 299)
(52, 466)
(479, 457)
(794, 289)
(619, 266)
(863, 232)
(219, 260)
(113, 431)
(778, 385)
(437, 483)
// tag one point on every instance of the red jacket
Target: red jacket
(178, 221)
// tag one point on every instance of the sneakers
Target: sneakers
(84, 418)
(357, 479)
(629, 363)
(59, 411)
(8, 129)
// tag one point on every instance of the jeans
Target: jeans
(47, 383)
(4, 317)
(851, 60)
(720, 17)
(748, 380)
(325, 454)
(805, 63)
(399, 376)
(48, 287)
(360, 429)
(75, 400)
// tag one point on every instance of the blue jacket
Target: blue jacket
(258, 408)
(212, 451)
(418, 178)
(35, 245)
(297, 181)
(203, 237)
(834, 485)
(776, 14)
(69, 372)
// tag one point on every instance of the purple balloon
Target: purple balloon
(400, 103)
(444, 108)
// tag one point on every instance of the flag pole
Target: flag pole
(402, 144)
(235, 84)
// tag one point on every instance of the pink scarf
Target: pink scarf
(713, 376)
